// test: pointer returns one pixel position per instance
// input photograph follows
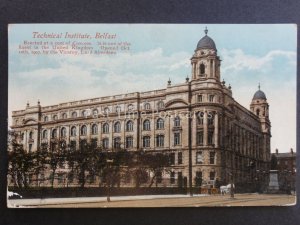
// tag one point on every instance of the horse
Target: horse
(226, 189)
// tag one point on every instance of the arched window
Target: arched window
(117, 127)
(45, 134)
(160, 105)
(94, 129)
(257, 112)
(146, 125)
(83, 130)
(106, 110)
(84, 113)
(117, 143)
(73, 131)
(64, 116)
(105, 143)
(118, 109)
(160, 124)
(74, 114)
(146, 141)
(130, 107)
(129, 126)
(147, 106)
(54, 133)
(46, 119)
(160, 140)
(55, 117)
(177, 121)
(202, 69)
(105, 128)
(63, 132)
(95, 112)
(31, 135)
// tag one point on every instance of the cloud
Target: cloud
(238, 60)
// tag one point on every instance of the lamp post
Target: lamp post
(109, 162)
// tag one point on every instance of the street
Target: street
(159, 201)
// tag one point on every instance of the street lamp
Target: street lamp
(109, 162)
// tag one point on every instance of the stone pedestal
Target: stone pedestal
(273, 184)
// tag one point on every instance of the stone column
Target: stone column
(205, 129)
(216, 131)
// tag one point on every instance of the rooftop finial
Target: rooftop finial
(205, 31)
(258, 86)
(169, 81)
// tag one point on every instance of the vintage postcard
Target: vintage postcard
(151, 115)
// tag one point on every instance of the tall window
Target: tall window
(177, 138)
(63, 132)
(83, 130)
(212, 175)
(160, 140)
(202, 69)
(73, 131)
(210, 119)
(45, 134)
(211, 98)
(179, 158)
(212, 156)
(54, 133)
(160, 105)
(106, 110)
(105, 143)
(94, 129)
(105, 128)
(129, 126)
(74, 114)
(200, 118)
(117, 143)
(210, 137)
(160, 124)
(31, 135)
(46, 119)
(55, 117)
(146, 125)
(199, 158)
(130, 107)
(129, 142)
(95, 112)
(147, 106)
(172, 177)
(117, 127)
(172, 158)
(146, 141)
(200, 98)
(198, 178)
(177, 121)
(199, 138)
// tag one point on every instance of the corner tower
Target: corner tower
(205, 61)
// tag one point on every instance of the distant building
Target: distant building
(225, 136)
(286, 166)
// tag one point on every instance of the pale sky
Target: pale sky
(250, 54)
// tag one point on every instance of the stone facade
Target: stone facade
(222, 136)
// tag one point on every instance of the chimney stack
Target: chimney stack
(292, 151)
(276, 151)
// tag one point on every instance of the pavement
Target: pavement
(252, 199)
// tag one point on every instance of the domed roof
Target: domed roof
(259, 94)
(206, 42)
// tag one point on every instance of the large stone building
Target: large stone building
(222, 137)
